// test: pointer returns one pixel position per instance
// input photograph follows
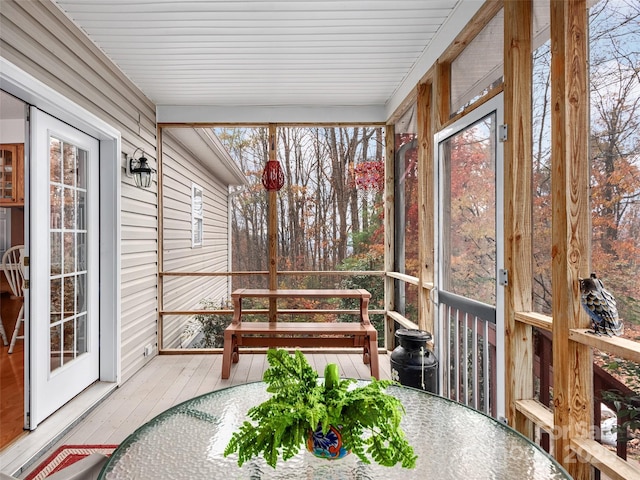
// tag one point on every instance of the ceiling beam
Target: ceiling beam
(247, 114)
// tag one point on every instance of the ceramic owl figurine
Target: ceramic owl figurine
(601, 306)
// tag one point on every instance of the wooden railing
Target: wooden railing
(165, 313)
(602, 382)
(539, 411)
(468, 353)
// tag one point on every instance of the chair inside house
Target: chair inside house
(3, 334)
(12, 265)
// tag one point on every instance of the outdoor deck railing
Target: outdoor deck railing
(175, 320)
(603, 381)
(468, 354)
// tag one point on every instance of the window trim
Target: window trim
(197, 214)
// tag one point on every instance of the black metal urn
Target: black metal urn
(412, 363)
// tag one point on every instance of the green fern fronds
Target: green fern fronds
(369, 418)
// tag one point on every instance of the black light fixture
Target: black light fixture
(140, 170)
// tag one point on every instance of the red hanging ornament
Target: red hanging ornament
(273, 176)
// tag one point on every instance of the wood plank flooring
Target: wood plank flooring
(171, 379)
(11, 377)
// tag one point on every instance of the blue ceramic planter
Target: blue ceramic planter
(327, 446)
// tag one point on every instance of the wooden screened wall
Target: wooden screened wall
(571, 421)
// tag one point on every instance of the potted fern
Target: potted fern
(302, 409)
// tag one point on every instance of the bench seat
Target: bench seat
(300, 334)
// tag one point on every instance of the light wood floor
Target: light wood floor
(171, 379)
(11, 377)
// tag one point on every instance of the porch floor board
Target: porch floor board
(168, 380)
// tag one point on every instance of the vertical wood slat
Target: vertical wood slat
(485, 368)
(426, 202)
(442, 87)
(445, 353)
(456, 350)
(272, 229)
(573, 409)
(545, 380)
(389, 229)
(441, 92)
(160, 267)
(475, 373)
(518, 74)
(465, 359)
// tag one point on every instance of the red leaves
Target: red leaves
(370, 175)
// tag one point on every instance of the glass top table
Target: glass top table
(452, 442)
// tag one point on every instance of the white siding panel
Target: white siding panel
(174, 220)
(213, 265)
(135, 260)
(39, 39)
(135, 338)
(180, 170)
(129, 218)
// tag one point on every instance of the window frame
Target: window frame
(197, 216)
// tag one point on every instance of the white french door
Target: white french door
(470, 259)
(64, 264)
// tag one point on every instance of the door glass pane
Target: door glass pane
(469, 217)
(69, 209)
(69, 296)
(56, 207)
(81, 251)
(81, 167)
(56, 300)
(56, 346)
(81, 335)
(68, 234)
(81, 289)
(56, 253)
(55, 161)
(69, 161)
(81, 214)
(68, 341)
(69, 252)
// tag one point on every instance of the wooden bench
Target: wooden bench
(300, 334)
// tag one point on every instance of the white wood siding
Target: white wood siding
(180, 170)
(39, 39)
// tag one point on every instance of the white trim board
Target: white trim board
(32, 91)
(353, 114)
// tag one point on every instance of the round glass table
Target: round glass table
(451, 441)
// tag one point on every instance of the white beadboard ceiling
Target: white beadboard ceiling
(249, 59)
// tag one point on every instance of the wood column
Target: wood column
(426, 202)
(518, 191)
(573, 364)
(272, 229)
(160, 268)
(389, 229)
(442, 95)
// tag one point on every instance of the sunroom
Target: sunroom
(464, 162)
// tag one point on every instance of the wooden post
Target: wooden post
(518, 168)
(426, 202)
(160, 268)
(442, 90)
(389, 229)
(573, 367)
(272, 230)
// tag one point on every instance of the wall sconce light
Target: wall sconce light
(139, 169)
